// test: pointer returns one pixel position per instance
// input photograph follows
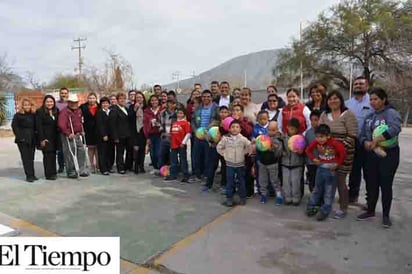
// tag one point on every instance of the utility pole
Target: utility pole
(79, 48)
(176, 76)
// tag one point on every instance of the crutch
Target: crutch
(74, 155)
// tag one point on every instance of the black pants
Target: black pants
(355, 176)
(311, 176)
(27, 157)
(379, 174)
(223, 170)
(49, 163)
(139, 152)
(120, 149)
(104, 151)
(129, 155)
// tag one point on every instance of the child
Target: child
(179, 135)
(269, 167)
(292, 167)
(233, 148)
(223, 114)
(331, 154)
(261, 127)
(310, 137)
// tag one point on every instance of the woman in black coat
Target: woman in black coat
(104, 141)
(89, 111)
(47, 132)
(23, 126)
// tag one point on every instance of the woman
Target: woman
(272, 109)
(250, 110)
(23, 126)
(317, 99)
(236, 93)
(163, 100)
(344, 128)
(151, 129)
(294, 109)
(104, 140)
(190, 102)
(380, 170)
(47, 133)
(89, 111)
(138, 137)
(120, 130)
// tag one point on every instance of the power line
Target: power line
(79, 48)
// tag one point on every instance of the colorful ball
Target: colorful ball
(381, 129)
(214, 134)
(200, 133)
(297, 143)
(226, 123)
(263, 143)
(165, 171)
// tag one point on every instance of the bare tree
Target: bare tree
(9, 80)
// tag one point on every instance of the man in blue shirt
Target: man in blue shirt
(359, 104)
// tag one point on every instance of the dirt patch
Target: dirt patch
(5, 133)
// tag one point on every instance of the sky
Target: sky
(157, 37)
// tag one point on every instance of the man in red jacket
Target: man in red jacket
(71, 126)
(331, 154)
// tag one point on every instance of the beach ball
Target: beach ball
(263, 143)
(214, 134)
(381, 129)
(200, 133)
(226, 123)
(296, 143)
(165, 171)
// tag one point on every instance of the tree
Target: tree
(9, 80)
(372, 35)
(66, 80)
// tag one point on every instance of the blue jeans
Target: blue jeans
(164, 152)
(325, 186)
(235, 175)
(154, 150)
(182, 154)
(201, 151)
(211, 166)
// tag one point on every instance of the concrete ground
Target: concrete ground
(172, 228)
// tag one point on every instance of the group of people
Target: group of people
(340, 136)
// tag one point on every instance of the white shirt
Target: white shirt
(224, 101)
(123, 109)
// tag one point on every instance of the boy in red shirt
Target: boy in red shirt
(331, 154)
(179, 135)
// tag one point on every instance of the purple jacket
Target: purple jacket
(76, 118)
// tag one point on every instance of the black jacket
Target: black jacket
(47, 128)
(89, 125)
(119, 124)
(217, 99)
(23, 126)
(102, 124)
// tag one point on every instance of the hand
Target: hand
(368, 145)
(105, 138)
(148, 143)
(316, 161)
(274, 145)
(71, 136)
(147, 148)
(136, 106)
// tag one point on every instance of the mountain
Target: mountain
(258, 67)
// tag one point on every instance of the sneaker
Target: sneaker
(106, 173)
(184, 180)
(111, 171)
(311, 212)
(122, 172)
(84, 174)
(386, 222)
(242, 202)
(339, 214)
(321, 216)
(227, 203)
(366, 216)
(169, 179)
(153, 172)
(279, 200)
(204, 189)
(263, 199)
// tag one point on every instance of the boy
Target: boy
(179, 135)
(233, 148)
(269, 167)
(310, 137)
(261, 127)
(292, 167)
(331, 154)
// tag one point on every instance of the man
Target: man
(271, 89)
(71, 126)
(214, 88)
(157, 90)
(61, 104)
(132, 98)
(171, 95)
(359, 104)
(224, 99)
(198, 87)
(113, 100)
(204, 116)
(167, 117)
